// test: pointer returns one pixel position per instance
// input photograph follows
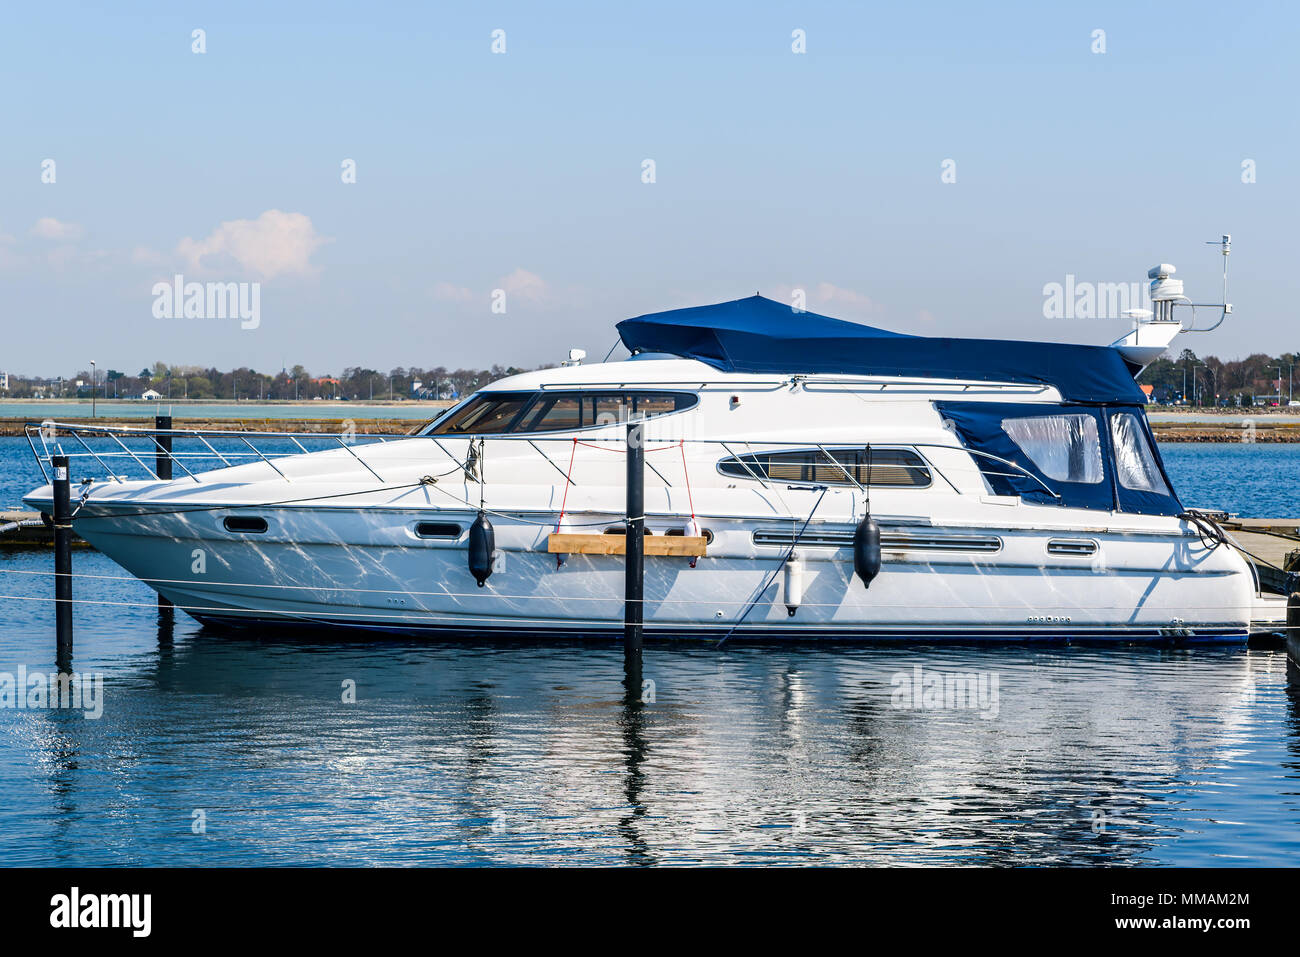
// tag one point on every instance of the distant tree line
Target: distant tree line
(1185, 379)
(1192, 380)
(178, 382)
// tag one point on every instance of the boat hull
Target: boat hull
(366, 569)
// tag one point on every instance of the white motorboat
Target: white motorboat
(1014, 490)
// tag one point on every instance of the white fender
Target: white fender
(693, 530)
(793, 583)
(560, 527)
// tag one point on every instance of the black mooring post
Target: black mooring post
(1292, 565)
(62, 563)
(166, 622)
(634, 589)
(163, 457)
(162, 465)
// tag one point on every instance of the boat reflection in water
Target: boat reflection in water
(528, 753)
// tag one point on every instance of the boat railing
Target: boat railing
(188, 446)
(240, 446)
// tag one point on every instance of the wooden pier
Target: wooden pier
(1271, 539)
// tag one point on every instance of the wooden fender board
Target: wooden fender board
(570, 543)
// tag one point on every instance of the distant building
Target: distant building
(150, 395)
(1150, 391)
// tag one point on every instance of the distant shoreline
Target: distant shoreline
(161, 404)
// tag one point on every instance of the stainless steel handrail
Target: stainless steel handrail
(77, 430)
(49, 432)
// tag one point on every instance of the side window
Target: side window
(611, 408)
(881, 468)
(651, 404)
(552, 414)
(1135, 463)
(1063, 447)
(486, 413)
(604, 410)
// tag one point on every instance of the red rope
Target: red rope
(689, 498)
(559, 522)
(565, 501)
(601, 448)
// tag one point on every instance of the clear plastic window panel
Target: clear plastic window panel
(1066, 448)
(1135, 463)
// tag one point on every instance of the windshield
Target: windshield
(497, 413)
(490, 412)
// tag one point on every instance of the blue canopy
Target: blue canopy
(763, 336)
(983, 426)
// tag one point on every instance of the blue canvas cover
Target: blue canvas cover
(983, 427)
(760, 335)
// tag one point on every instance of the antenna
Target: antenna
(1225, 244)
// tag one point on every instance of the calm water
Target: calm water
(526, 754)
(1255, 481)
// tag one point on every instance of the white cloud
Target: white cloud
(276, 242)
(836, 301)
(829, 294)
(519, 284)
(50, 228)
(525, 285)
(449, 292)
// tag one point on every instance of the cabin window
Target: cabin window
(437, 530)
(1066, 448)
(500, 413)
(604, 409)
(899, 468)
(552, 413)
(647, 404)
(244, 523)
(1135, 463)
(485, 413)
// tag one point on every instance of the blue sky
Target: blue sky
(774, 171)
